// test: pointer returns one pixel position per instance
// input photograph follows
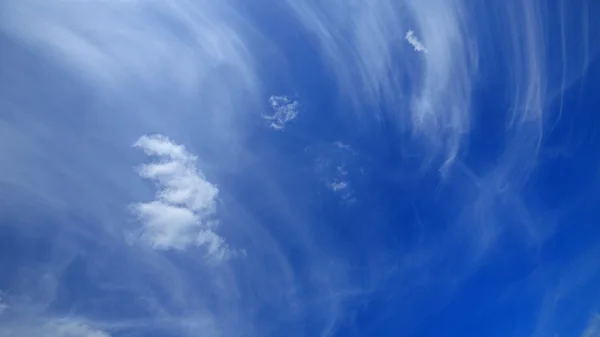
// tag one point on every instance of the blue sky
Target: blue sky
(299, 168)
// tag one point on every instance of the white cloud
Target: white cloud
(284, 111)
(185, 202)
(414, 41)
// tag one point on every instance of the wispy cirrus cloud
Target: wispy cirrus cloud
(426, 106)
(107, 72)
(360, 47)
(136, 46)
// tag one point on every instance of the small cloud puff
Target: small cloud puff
(343, 189)
(412, 39)
(185, 202)
(284, 111)
(338, 186)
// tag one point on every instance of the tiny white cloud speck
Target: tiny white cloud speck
(185, 202)
(284, 111)
(414, 41)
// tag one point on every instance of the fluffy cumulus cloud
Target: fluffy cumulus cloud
(183, 212)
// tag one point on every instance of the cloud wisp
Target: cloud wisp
(336, 166)
(414, 42)
(284, 111)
